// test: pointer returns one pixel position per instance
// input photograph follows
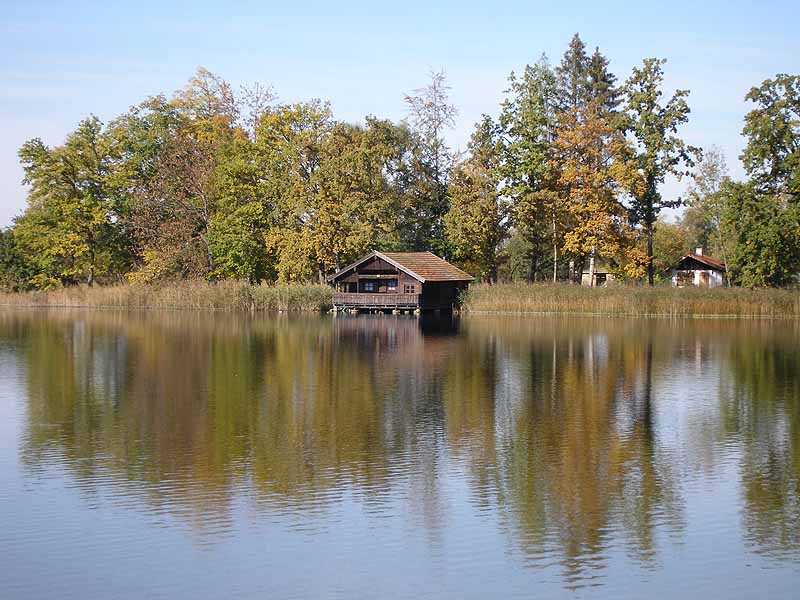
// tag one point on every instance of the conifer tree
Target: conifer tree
(573, 75)
(602, 83)
(528, 120)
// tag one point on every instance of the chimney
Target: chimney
(699, 251)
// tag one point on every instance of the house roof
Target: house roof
(422, 266)
(706, 260)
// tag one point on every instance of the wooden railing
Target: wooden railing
(377, 300)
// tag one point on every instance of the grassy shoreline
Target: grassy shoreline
(506, 298)
(198, 295)
(524, 298)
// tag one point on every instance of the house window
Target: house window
(369, 286)
(391, 285)
(409, 288)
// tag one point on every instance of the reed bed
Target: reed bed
(509, 298)
(223, 295)
(631, 301)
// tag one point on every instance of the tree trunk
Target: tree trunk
(532, 268)
(591, 268)
(572, 271)
(555, 252)
(90, 278)
(650, 273)
(724, 257)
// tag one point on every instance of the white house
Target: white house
(698, 270)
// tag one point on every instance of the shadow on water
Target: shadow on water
(579, 438)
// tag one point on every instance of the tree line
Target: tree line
(222, 183)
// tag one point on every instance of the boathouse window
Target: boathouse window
(391, 285)
(410, 289)
(369, 286)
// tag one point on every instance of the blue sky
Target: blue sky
(60, 61)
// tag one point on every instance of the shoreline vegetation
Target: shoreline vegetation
(632, 301)
(198, 295)
(503, 298)
(563, 177)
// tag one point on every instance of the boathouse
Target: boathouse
(698, 270)
(398, 281)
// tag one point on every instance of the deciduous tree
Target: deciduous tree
(765, 232)
(426, 202)
(772, 155)
(477, 223)
(72, 230)
(596, 164)
(660, 152)
(703, 216)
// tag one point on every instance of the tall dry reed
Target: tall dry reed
(224, 295)
(624, 300)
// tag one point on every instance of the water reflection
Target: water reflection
(578, 438)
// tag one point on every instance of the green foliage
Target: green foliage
(661, 152)
(765, 235)
(331, 185)
(772, 155)
(426, 172)
(517, 255)
(237, 240)
(702, 218)
(15, 269)
(529, 118)
(477, 223)
(670, 243)
(760, 219)
(572, 75)
(222, 184)
(71, 230)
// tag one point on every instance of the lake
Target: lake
(202, 455)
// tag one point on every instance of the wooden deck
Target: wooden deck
(344, 300)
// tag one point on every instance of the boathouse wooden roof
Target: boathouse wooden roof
(422, 266)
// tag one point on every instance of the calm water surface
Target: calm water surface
(192, 455)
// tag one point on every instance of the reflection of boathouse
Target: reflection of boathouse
(400, 281)
(400, 341)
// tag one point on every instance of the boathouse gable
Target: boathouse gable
(398, 281)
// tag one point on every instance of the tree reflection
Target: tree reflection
(554, 425)
(579, 464)
(764, 412)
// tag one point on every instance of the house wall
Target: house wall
(585, 280)
(697, 277)
(379, 273)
